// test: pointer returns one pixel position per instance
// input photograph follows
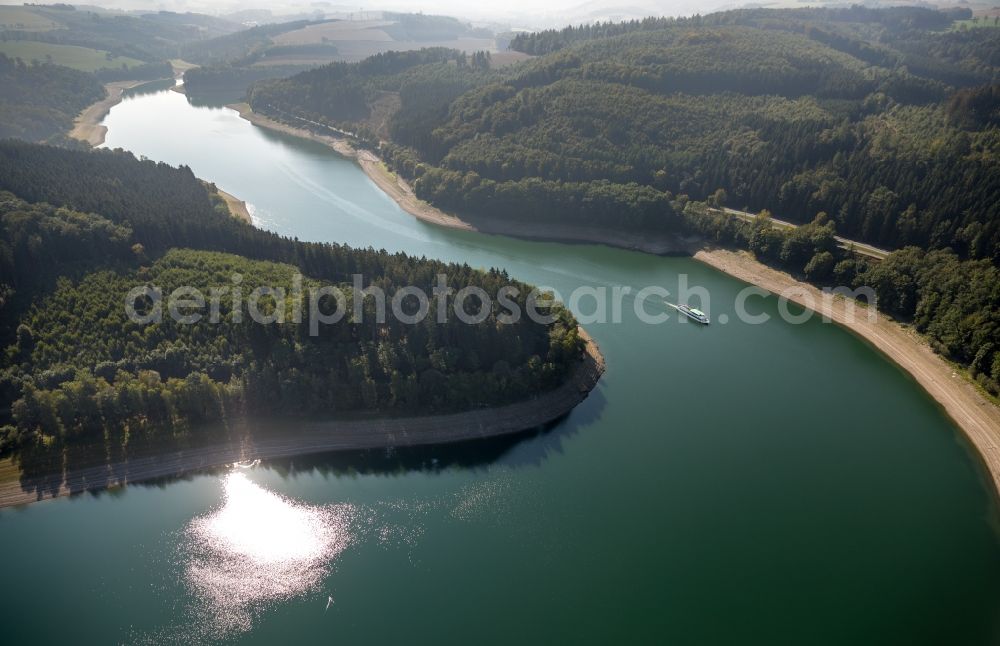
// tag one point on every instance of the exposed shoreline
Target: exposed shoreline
(976, 416)
(87, 126)
(399, 190)
(322, 437)
(237, 207)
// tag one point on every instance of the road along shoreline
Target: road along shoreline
(975, 415)
(323, 437)
(400, 190)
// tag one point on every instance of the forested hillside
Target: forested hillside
(854, 112)
(879, 124)
(229, 64)
(39, 102)
(235, 61)
(149, 37)
(79, 229)
(420, 84)
(420, 27)
(240, 48)
(52, 67)
(954, 302)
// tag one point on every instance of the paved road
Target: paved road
(850, 245)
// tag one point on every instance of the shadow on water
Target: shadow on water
(300, 144)
(45, 471)
(527, 448)
(152, 87)
(98, 470)
(215, 97)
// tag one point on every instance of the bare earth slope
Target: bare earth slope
(87, 126)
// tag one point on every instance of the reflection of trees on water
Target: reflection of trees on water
(531, 447)
(98, 466)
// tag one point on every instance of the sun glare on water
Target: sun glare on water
(264, 528)
(257, 548)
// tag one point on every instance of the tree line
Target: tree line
(79, 229)
(879, 125)
(796, 111)
(39, 102)
(954, 302)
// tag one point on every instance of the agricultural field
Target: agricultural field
(336, 31)
(503, 59)
(979, 22)
(84, 59)
(359, 39)
(354, 50)
(24, 19)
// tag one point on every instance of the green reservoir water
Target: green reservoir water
(735, 484)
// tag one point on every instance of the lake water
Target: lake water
(751, 484)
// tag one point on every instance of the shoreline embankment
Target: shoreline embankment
(322, 437)
(975, 415)
(87, 126)
(237, 207)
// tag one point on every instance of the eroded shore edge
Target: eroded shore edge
(976, 416)
(87, 126)
(326, 436)
(237, 207)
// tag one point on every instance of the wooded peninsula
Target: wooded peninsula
(878, 125)
(80, 229)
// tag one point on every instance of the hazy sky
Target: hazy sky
(527, 13)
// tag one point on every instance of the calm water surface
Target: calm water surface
(769, 484)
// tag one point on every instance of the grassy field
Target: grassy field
(984, 21)
(503, 59)
(335, 32)
(24, 19)
(80, 58)
(360, 39)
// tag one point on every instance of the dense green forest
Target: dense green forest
(150, 37)
(855, 112)
(145, 72)
(81, 228)
(420, 27)
(39, 102)
(231, 79)
(39, 99)
(239, 48)
(880, 125)
(954, 302)
(351, 95)
(233, 62)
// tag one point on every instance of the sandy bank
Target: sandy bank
(401, 191)
(236, 206)
(321, 437)
(977, 416)
(87, 126)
